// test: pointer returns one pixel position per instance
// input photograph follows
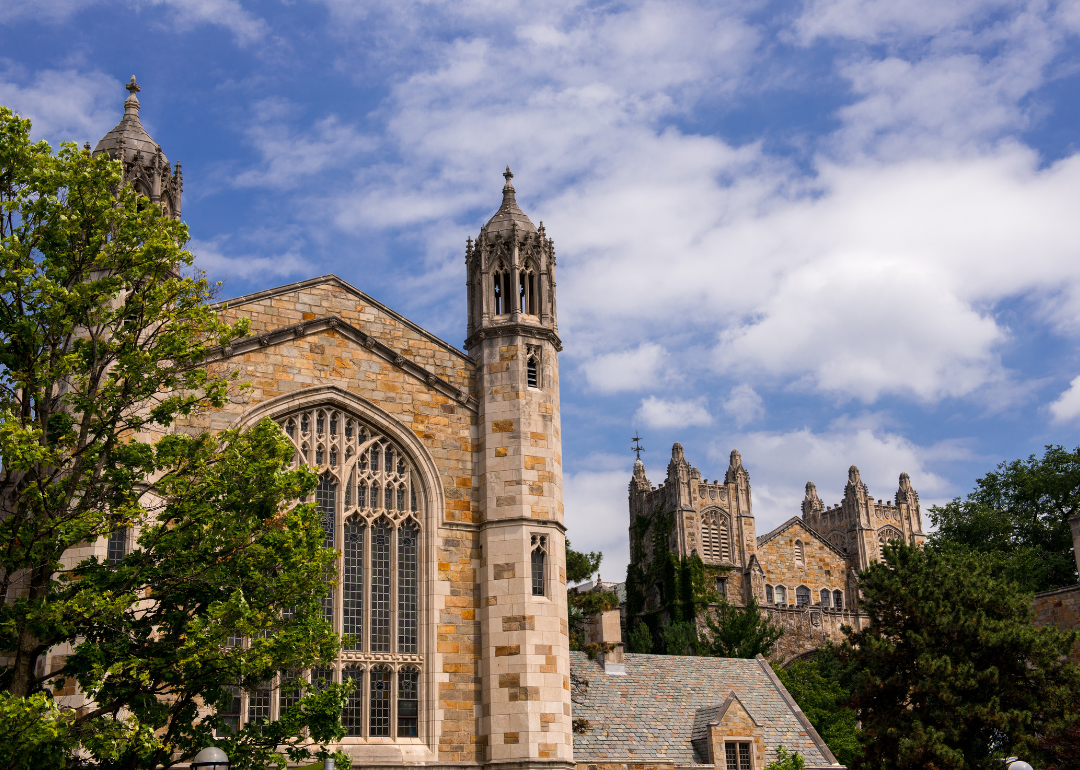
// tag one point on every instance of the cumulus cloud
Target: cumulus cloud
(210, 256)
(1067, 406)
(658, 412)
(289, 156)
(744, 405)
(635, 369)
(64, 105)
(597, 515)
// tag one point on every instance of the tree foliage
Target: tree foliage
(739, 632)
(102, 350)
(950, 672)
(822, 687)
(581, 566)
(786, 760)
(1017, 516)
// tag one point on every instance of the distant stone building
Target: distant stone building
(803, 573)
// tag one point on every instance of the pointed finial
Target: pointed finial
(133, 87)
(86, 145)
(507, 175)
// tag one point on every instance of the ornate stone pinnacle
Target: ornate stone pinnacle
(133, 87)
(507, 175)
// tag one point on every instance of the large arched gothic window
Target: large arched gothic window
(716, 536)
(885, 534)
(369, 498)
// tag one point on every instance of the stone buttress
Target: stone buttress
(513, 338)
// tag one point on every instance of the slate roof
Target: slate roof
(650, 714)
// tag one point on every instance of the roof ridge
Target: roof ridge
(244, 299)
(763, 539)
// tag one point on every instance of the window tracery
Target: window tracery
(527, 290)
(885, 534)
(368, 502)
(501, 293)
(539, 565)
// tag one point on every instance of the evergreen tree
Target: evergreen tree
(821, 687)
(102, 344)
(739, 632)
(1017, 516)
(581, 566)
(950, 672)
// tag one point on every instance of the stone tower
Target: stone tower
(513, 338)
(145, 165)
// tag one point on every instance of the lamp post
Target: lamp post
(1015, 763)
(210, 758)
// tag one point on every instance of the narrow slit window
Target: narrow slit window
(532, 366)
(380, 587)
(539, 564)
(800, 553)
(352, 596)
(407, 584)
(380, 702)
(117, 547)
(768, 594)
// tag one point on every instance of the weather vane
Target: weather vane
(637, 447)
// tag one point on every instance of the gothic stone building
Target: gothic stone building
(441, 489)
(803, 573)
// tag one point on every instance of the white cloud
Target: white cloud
(209, 256)
(183, 14)
(744, 405)
(597, 512)
(64, 105)
(875, 21)
(289, 156)
(1067, 406)
(635, 369)
(673, 413)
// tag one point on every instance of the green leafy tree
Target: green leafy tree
(641, 640)
(950, 672)
(786, 760)
(679, 637)
(581, 566)
(821, 687)
(738, 632)
(102, 350)
(1017, 516)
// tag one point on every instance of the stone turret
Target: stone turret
(145, 165)
(513, 338)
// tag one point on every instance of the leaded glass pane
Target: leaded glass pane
(320, 677)
(230, 718)
(289, 686)
(259, 704)
(352, 716)
(731, 753)
(380, 587)
(352, 597)
(838, 599)
(744, 757)
(802, 596)
(408, 703)
(117, 548)
(408, 538)
(538, 571)
(380, 702)
(325, 495)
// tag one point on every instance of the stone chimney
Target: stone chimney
(605, 629)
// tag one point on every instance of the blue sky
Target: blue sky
(822, 232)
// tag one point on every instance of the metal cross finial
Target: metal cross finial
(637, 447)
(508, 175)
(133, 87)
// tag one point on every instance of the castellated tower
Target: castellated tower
(513, 338)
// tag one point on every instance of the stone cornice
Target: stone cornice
(514, 330)
(331, 278)
(350, 332)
